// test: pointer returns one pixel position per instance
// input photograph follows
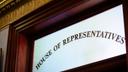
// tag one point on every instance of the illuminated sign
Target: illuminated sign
(94, 39)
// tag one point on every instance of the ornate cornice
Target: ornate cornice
(18, 9)
(1, 2)
(7, 4)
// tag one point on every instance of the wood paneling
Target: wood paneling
(21, 11)
(22, 54)
(24, 61)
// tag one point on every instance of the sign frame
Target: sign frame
(24, 31)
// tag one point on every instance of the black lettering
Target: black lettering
(84, 34)
(98, 33)
(64, 41)
(72, 37)
(68, 39)
(93, 34)
(76, 36)
(88, 34)
(42, 60)
(109, 35)
(122, 40)
(38, 65)
(106, 34)
(48, 54)
(56, 47)
(113, 36)
(101, 35)
(118, 38)
(80, 35)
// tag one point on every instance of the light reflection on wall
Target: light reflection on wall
(51, 55)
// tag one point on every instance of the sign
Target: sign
(94, 39)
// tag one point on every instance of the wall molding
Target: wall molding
(17, 9)
(7, 4)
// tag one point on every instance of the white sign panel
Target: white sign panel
(94, 39)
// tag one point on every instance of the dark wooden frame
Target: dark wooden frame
(52, 17)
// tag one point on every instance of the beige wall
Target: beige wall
(3, 43)
(21, 11)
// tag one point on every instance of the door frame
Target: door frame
(48, 18)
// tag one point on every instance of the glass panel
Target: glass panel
(94, 39)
